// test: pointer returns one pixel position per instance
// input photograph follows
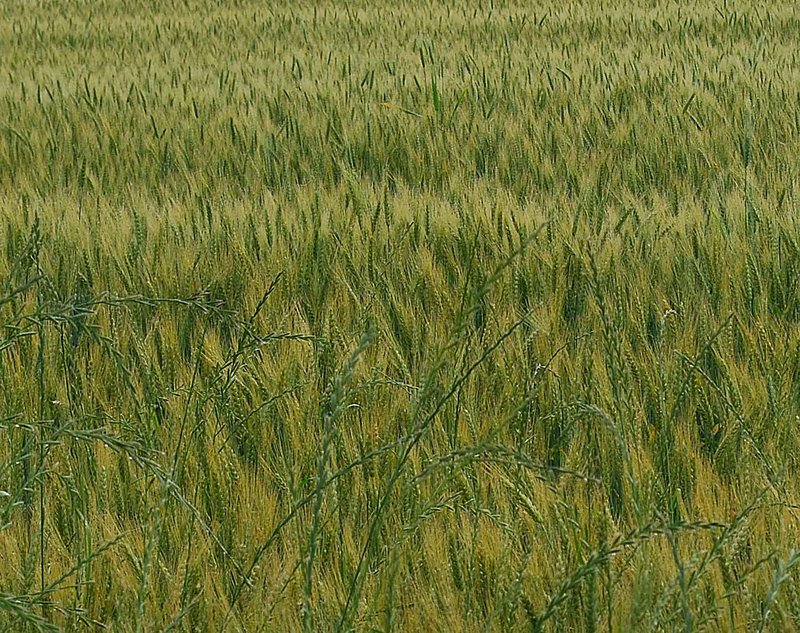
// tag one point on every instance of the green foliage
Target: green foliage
(399, 316)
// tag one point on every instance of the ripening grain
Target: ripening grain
(399, 316)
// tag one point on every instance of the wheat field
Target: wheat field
(399, 316)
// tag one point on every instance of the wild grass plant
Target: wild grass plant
(399, 316)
